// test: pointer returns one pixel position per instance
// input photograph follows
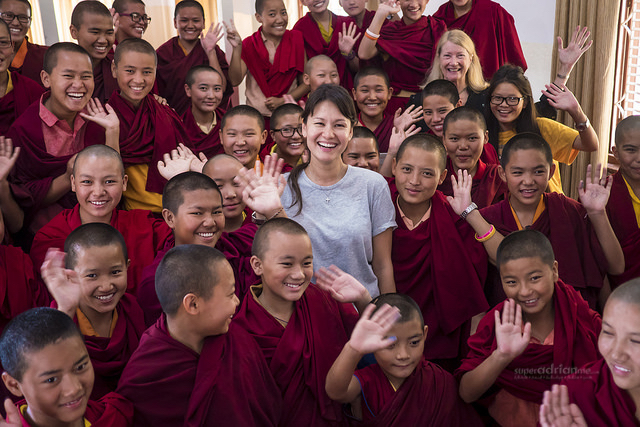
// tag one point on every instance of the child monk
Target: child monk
(52, 131)
(98, 180)
(298, 325)
(358, 12)
(192, 367)
(188, 49)
(47, 364)
(147, 129)
(286, 132)
(132, 19)
(465, 135)
(623, 208)
(29, 57)
(320, 70)
(92, 27)
(531, 341)
(272, 59)
(402, 388)
(243, 134)
(362, 151)
(428, 233)
(89, 285)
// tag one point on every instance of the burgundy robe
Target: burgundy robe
(207, 143)
(25, 92)
(448, 291)
(487, 188)
(228, 383)
(33, 62)
(104, 82)
(314, 43)
(382, 132)
(625, 225)
(429, 396)
(489, 155)
(173, 66)
(144, 235)
(581, 261)
(575, 342)
(493, 31)
(601, 401)
(274, 79)
(300, 355)
(146, 134)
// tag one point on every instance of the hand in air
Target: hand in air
(103, 116)
(347, 38)
(371, 332)
(398, 135)
(595, 194)
(343, 287)
(197, 163)
(510, 336)
(233, 37)
(213, 36)
(262, 193)
(389, 7)
(176, 162)
(561, 98)
(577, 46)
(461, 191)
(13, 415)
(8, 157)
(404, 119)
(63, 284)
(556, 411)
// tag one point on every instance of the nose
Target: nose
(71, 385)
(327, 132)
(402, 353)
(361, 162)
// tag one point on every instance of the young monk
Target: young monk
(132, 19)
(428, 233)
(623, 208)
(98, 180)
(147, 129)
(47, 364)
(402, 388)
(362, 151)
(88, 282)
(465, 135)
(320, 70)
(298, 325)
(286, 132)
(406, 46)
(29, 58)
(272, 59)
(243, 134)
(52, 131)
(192, 367)
(188, 49)
(545, 330)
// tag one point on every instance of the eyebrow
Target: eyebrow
(55, 371)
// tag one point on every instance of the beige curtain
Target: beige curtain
(592, 79)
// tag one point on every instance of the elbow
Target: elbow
(366, 54)
(465, 393)
(335, 394)
(617, 268)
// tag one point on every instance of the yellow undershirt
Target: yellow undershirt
(326, 33)
(536, 215)
(635, 201)
(85, 326)
(136, 197)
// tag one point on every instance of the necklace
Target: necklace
(278, 319)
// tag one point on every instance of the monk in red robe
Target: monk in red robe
(204, 371)
(491, 28)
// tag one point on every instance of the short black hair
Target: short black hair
(120, 5)
(25, 2)
(190, 79)
(465, 113)
(443, 88)
(285, 225)
(187, 3)
(134, 45)
(366, 133)
(259, 6)
(98, 150)
(283, 110)
(91, 235)
(525, 243)
(371, 71)
(88, 6)
(427, 143)
(626, 125)
(173, 194)
(526, 141)
(409, 309)
(51, 55)
(243, 110)
(30, 332)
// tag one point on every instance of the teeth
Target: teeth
(75, 95)
(205, 235)
(15, 30)
(137, 88)
(98, 203)
(325, 145)
(240, 152)
(292, 285)
(295, 144)
(620, 368)
(104, 297)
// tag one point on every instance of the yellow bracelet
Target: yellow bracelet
(487, 236)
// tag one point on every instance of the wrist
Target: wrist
(594, 214)
(353, 350)
(501, 358)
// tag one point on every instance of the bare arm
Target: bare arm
(368, 47)
(237, 67)
(381, 262)
(209, 43)
(569, 56)
(60, 185)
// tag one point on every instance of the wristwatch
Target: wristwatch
(469, 209)
(581, 127)
(256, 220)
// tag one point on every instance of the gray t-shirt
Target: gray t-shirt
(342, 219)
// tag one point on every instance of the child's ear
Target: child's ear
(264, 135)
(390, 92)
(187, 90)
(44, 76)
(614, 149)
(503, 175)
(256, 264)
(353, 93)
(190, 303)
(486, 136)
(306, 79)
(443, 175)
(556, 276)
(258, 17)
(169, 218)
(394, 163)
(125, 180)
(12, 384)
(424, 333)
(73, 183)
(74, 31)
(459, 103)
(113, 69)
(552, 170)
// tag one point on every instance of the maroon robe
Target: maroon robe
(487, 188)
(492, 30)
(143, 234)
(274, 79)
(382, 132)
(575, 342)
(104, 82)
(489, 155)
(601, 401)
(449, 292)
(25, 92)
(173, 66)
(625, 226)
(314, 43)
(207, 143)
(228, 383)
(300, 355)
(146, 134)
(429, 396)
(581, 261)
(33, 62)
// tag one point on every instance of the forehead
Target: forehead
(86, 164)
(617, 312)
(434, 101)
(507, 89)
(58, 355)
(288, 119)
(526, 157)
(131, 7)
(15, 7)
(94, 257)
(189, 12)
(362, 144)
(372, 80)
(223, 168)
(131, 58)
(420, 157)
(407, 329)
(284, 241)
(323, 66)
(74, 61)
(242, 121)
(629, 137)
(450, 47)
(207, 77)
(464, 125)
(524, 265)
(93, 20)
(273, 5)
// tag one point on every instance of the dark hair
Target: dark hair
(173, 194)
(283, 110)
(7, 27)
(338, 96)
(525, 243)
(29, 332)
(628, 292)
(261, 240)
(187, 3)
(120, 5)
(134, 45)
(243, 110)
(444, 88)
(628, 124)
(525, 141)
(190, 79)
(371, 71)
(409, 309)
(464, 113)
(365, 133)
(25, 2)
(94, 7)
(98, 150)
(91, 235)
(187, 269)
(51, 55)
(259, 5)
(526, 121)
(427, 143)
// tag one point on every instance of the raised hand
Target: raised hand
(262, 193)
(579, 44)
(103, 116)
(461, 191)
(274, 102)
(347, 38)
(8, 157)
(161, 100)
(176, 162)
(389, 7)
(213, 36)
(233, 37)
(63, 284)
(561, 98)
(370, 333)
(510, 336)
(404, 119)
(197, 163)
(343, 287)
(398, 135)
(556, 411)
(13, 415)
(595, 194)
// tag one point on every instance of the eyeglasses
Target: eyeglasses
(511, 100)
(8, 17)
(6, 44)
(136, 17)
(288, 132)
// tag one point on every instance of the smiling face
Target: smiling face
(412, 10)
(206, 92)
(292, 146)
(464, 141)
(216, 312)
(530, 282)
(507, 114)
(372, 96)
(527, 175)
(362, 153)
(315, 6)
(324, 71)
(627, 151)
(418, 174)
(130, 29)
(328, 132)
(189, 22)
(435, 109)
(6, 52)
(454, 62)
(353, 8)
(242, 138)
(223, 171)
(95, 35)
(71, 84)
(274, 18)
(136, 73)
(199, 219)
(17, 28)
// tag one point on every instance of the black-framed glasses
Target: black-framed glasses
(8, 17)
(511, 100)
(136, 17)
(288, 132)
